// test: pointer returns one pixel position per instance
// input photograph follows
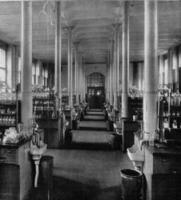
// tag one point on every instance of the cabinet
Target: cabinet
(169, 115)
(163, 173)
(15, 171)
(164, 109)
(46, 115)
(44, 106)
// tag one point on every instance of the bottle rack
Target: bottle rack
(169, 114)
(44, 106)
(65, 99)
(10, 113)
(170, 110)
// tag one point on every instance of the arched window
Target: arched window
(95, 80)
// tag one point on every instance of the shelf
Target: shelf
(46, 119)
(7, 125)
(8, 114)
(44, 107)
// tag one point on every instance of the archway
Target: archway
(95, 90)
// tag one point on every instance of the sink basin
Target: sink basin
(136, 156)
(38, 151)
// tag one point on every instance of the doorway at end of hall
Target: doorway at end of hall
(96, 97)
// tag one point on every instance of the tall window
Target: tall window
(45, 76)
(19, 70)
(37, 73)
(166, 71)
(33, 73)
(2, 65)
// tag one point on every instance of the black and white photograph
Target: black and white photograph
(90, 99)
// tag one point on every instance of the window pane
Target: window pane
(174, 60)
(2, 75)
(2, 58)
(180, 56)
(33, 69)
(19, 64)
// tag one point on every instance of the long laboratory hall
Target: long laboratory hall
(90, 100)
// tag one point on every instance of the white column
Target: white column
(111, 72)
(125, 60)
(115, 67)
(107, 83)
(83, 78)
(151, 67)
(118, 59)
(70, 91)
(58, 48)
(76, 73)
(26, 60)
(79, 77)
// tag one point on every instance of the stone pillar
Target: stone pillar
(125, 60)
(70, 91)
(151, 67)
(26, 60)
(58, 48)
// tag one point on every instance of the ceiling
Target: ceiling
(92, 22)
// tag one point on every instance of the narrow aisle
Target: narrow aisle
(92, 133)
(89, 170)
(88, 174)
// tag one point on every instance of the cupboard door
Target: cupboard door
(167, 165)
(9, 181)
(9, 155)
(166, 187)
